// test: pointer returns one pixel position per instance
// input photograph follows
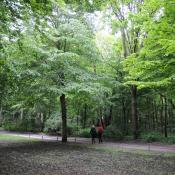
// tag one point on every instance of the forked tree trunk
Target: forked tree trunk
(134, 110)
(64, 117)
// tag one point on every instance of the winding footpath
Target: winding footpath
(157, 147)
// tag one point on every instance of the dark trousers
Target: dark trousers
(100, 137)
(93, 140)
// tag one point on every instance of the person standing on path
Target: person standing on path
(100, 133)
(93, 134)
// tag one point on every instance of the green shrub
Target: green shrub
(152, 137)
(53, 124)
(19, 126)
(112, 132)
(157, 137)
(70, 130)
(170, 139)
(9, 126)
(84, 132)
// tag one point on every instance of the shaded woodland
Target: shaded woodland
(66, 65)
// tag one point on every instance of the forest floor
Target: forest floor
(55, 158)
(122, 145)
(81, 158)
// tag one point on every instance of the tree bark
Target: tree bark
(156, 119)
(21, 113)
(85, 116)
(161, 114)
(64, 117)
(134, 110)
(125, 50)
(1, 114)
(153, 116)
(110, 115)
(165, 119)
(124, 116)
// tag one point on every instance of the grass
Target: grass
(133, 151)
(11, 138)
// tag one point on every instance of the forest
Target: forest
(68, 64)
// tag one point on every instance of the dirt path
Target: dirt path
(164, 148)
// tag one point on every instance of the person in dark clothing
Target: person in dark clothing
(93, 134)
(100, 132)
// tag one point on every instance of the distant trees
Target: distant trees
(53, 63)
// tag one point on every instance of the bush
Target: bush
(152, 137)
(112, 132)
(70, 130)
(84, 133)
(170, 139)
(9, 126)
(157, 137)
(19, 126)
(53, 124)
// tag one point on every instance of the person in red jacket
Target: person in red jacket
(100, 133)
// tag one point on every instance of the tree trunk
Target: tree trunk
(124, 45)
(124, 116)
(110, 115)
(171, 115)
(85, 116)
(153, 116)
(165, 119)
(134, 110)
(1, 114)
(161, 114)
(156, 119)
(21, 113)
(64, 117)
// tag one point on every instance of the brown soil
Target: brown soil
(54, 158)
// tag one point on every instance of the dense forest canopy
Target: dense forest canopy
(66, 65)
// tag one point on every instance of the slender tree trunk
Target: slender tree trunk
(0, 113)
(124, 116)
(101, 112)
(145, 125)
(21, 113)
(128, 119)
(49, 109)
(42, 121)
(153, 115)
(110, 115)
(85, 116)
(165, 119)
(155, 111)
(171, 114)
(64, 117)
(134, 110)
(125, 49)
(161, 114)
